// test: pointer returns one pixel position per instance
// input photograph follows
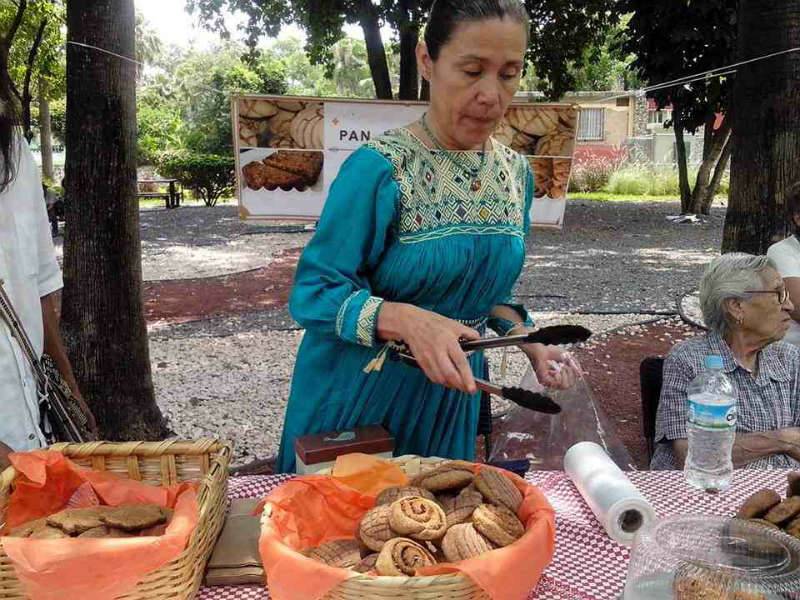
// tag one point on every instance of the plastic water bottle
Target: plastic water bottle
(711, 427)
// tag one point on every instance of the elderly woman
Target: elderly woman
(747, 310)
(421, 240)
(786, 255)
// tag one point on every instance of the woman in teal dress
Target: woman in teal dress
(422, 239)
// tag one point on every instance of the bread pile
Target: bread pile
(766, 508)
(446, 514)
(98, 522)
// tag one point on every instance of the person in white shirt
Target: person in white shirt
(29, 274)
(786, 255)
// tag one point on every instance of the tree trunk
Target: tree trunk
(766, 126)
(680, 155)
(713, 146)
(27, 96)
(45, 131)
(719, 172)
(376, 55)
(409, 38)
(103, 317)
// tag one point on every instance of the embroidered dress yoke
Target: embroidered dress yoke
(402, 224)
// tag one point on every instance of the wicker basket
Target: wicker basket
(454, 586)
(157, 463)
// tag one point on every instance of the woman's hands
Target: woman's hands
(434, 341)
(554, 367)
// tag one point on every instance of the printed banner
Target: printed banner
(289, 149)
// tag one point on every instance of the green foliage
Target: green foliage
(159, 126)
(209, 176)
(605, 65)
(561, 31)
(187, 106)
(604, 176)
(675, 38)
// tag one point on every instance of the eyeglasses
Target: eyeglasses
(782, 294)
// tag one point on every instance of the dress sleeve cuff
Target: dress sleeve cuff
(357, 318)
(502, 326)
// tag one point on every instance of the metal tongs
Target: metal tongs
(558, 334)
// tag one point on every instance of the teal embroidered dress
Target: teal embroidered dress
(402, 224)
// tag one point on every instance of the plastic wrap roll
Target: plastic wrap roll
(614, 500)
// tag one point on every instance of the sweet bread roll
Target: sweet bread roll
(343, 554)
(784, 511)
(402, 556)
(459, 508)
(498, 489)
(463, 541)
(392, 494)
(418, 518)
(497, 524)
(374, 530)
(452, 475)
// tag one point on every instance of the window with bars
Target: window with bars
(591, 126)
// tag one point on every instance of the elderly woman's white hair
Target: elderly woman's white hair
(729, 277)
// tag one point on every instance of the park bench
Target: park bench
(172, 195)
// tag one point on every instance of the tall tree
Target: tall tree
(102, 314)
(766, 110)
(561, 29)
(31, 42)
(674, 38)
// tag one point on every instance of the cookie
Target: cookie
(497, 524)
(374, 530)
(459, 508)
(343, 554)
(391, 494)
(134, 517)
(75, 521)
(758, 504)
(48, 532)
(793, 527)
(452, 475)
(463, 541)
(763, 523)
(418, 518)
(106, 532)
(366, 564)
(784, 511)
(498, 489)
(401, 556)
(26, 529)
(793, 487)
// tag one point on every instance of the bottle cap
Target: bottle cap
(713, 361)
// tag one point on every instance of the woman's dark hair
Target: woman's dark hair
(8, 125)
(446, 15)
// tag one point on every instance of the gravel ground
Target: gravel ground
(196, 241)
(614, 264)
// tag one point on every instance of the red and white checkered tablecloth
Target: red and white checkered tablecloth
(587, 564)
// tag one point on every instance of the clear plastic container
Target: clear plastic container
(713, 558)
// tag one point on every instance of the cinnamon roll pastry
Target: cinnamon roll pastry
(374, 530)
(498, 489)
(497, 524)
(459, 508)
(366, 564)
(463, 541)
(343, 554)
(392, 494)
(452, 475)
(401, 556)
(418, 518)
